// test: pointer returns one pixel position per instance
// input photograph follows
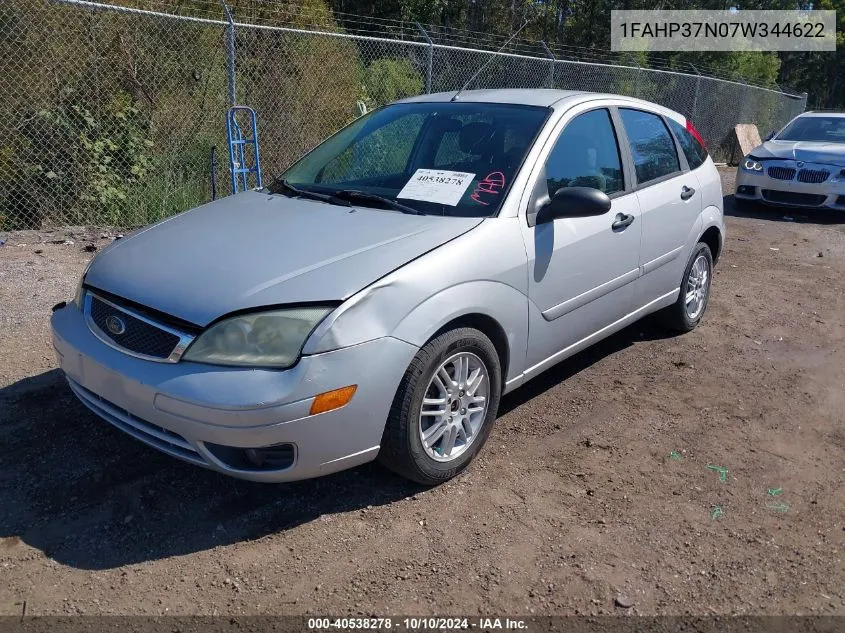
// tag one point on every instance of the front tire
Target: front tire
(444, 408)
(686, 313)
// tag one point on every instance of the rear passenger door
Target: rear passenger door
(669, 201)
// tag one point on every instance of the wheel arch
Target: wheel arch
(488, 326)
(713, 230)
(494, 308)
(713, 238)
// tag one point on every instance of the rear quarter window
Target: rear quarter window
(652, 147)
(695, 153)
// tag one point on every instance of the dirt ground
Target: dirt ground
(595, 485)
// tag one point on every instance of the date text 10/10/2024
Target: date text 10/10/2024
(416, 624)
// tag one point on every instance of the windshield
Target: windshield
(455, 159)
(825, 129)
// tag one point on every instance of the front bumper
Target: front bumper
(205, 414)
(760, 186)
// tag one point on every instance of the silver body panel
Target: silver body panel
(552, 290)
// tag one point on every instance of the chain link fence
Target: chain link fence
(109, 114)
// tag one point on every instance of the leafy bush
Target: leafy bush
(387, 80)
(68, 159)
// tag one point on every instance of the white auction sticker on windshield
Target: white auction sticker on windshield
(434, 185)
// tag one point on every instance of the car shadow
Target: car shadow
(647, 329)
(759, 211)
(91, 497)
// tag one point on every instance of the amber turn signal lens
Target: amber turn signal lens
(332, 399)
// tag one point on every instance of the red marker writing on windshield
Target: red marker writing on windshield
(493, 183)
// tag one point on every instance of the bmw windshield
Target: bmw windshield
(454, 159)
(824, 129)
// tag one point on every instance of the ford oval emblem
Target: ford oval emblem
(115, 325)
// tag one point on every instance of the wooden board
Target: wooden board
(745, 138)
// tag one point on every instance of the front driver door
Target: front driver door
(581, 269)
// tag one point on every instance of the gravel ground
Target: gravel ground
(593, 490)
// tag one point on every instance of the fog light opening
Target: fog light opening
(265, 458)
(270, 457)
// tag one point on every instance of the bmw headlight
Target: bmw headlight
(266, 339)
(752, 164)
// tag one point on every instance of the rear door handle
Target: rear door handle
(687, 193)
(622, 221)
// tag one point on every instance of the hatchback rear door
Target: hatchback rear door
(669, 199)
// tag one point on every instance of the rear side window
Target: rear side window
(652, 147)
(695, 153)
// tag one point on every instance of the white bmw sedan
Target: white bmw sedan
(803, 165)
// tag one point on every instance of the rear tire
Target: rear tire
(438, 421)
(686, 313)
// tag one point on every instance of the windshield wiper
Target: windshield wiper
(353, 195)
(281, 185)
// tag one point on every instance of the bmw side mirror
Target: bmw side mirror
(574, 202)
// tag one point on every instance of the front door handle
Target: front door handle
(687, 193)
(622, 221)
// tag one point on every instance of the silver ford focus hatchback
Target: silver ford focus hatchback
(378, 299)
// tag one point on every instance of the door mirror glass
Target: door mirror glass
(574, 202)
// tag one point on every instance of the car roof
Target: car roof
(821, 114)
(545, 97)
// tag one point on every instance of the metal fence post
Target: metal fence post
(430, 61)
(803, 102)
(551, 65)
(230, 55)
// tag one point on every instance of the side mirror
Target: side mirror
(574, 202)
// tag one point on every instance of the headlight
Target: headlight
(750, 164)
(267, 339)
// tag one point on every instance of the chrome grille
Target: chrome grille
(781, 173)
(813, 175)
(133, 333)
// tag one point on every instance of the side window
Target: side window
(695, 153)
(652, 147)
(586, 154)
(382, 152)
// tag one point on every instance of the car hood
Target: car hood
(255, 249)
(807, 151)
